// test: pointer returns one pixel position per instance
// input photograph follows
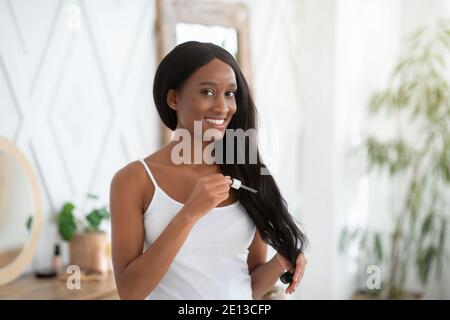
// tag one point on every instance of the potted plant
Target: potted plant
(417, 101)
(88, 244)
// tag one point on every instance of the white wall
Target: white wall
(367, 45)
(77, 101)
(315, 54)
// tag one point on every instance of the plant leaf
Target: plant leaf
(66, 222)
(29, 223)
(378, 247)
(95, 218)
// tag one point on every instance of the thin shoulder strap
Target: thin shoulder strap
(149, 172)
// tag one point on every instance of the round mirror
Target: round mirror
(20, 211)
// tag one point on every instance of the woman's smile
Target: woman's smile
(216, 122)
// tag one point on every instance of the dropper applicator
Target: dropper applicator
(237, 184)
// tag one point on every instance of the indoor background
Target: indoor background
(76, 99)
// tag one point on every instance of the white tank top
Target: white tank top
(212, 263)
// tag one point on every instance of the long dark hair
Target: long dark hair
(267, 208)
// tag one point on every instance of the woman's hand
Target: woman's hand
(298, 270)
(207, 194)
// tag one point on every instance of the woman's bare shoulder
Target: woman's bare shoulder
(132, 180)
(129, 172)
(131, 185)
(136, 170)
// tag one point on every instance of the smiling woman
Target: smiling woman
(196, 97)
(178, 230)
(225, 24)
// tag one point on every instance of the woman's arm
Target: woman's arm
(137, 273)
(264, 274)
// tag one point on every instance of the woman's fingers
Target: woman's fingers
(300, 278)
(223, 183)
(301, 264)
(291, 286)
(284, 262)
(298, 270)
(298, 274)
(217, 179)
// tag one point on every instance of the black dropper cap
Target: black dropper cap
(287, 277)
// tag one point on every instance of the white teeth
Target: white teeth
(215, 121)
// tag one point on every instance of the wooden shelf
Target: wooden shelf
(28, 287)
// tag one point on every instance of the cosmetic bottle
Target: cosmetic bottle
(57, 259)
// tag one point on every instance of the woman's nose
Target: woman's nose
(221, 105)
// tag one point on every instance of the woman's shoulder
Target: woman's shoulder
(130, 171)
(135, 169)
(133, 173)
(128, 181)
(131, 181)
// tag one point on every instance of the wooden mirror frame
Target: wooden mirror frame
(208, 13)
(15, 268)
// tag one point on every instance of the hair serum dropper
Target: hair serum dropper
(237, 184)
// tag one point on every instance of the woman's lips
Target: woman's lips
(215, 122)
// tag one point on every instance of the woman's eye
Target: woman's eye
(208, 92)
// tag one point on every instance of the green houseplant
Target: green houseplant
(69, 224)
(417, 101)
(88, 244)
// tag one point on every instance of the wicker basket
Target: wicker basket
(89, 251)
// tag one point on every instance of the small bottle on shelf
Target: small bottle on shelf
(57, 259)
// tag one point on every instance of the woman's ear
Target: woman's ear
(171, 99)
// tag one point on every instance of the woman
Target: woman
(178, 230)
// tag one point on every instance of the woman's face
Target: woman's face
(207, 96)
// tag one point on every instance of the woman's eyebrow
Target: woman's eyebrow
(213, 83)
